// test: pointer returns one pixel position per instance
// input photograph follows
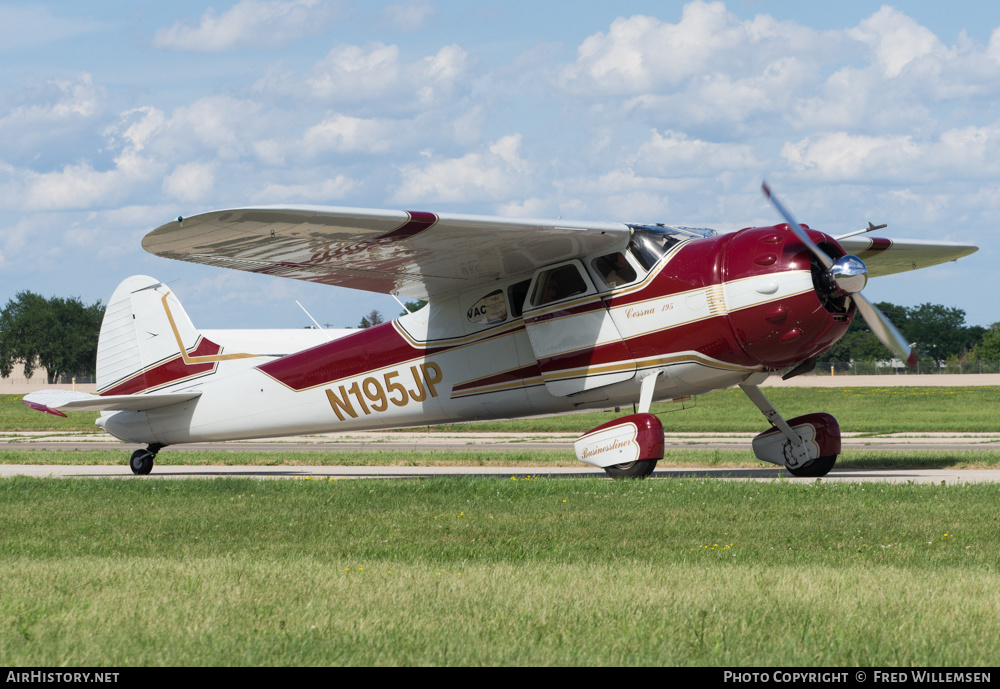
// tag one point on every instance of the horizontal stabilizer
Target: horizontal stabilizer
(58, 401)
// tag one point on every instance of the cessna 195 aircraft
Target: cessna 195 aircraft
(524, 317)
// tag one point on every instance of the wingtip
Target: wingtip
(41, 407)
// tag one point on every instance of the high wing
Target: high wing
(413, 254)
(889, 256)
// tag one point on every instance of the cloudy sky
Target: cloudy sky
(118, 116)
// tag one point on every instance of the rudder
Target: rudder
(146, 339)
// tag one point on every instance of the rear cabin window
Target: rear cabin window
(558, 284)
(490, 309)
(517, 293)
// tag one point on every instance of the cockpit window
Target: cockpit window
(557, 284)
(649, 243)
(614, 269)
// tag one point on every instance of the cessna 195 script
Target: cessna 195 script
(524, 317)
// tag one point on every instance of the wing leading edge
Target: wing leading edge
(890, 256)
(420, 255)
(412, 254)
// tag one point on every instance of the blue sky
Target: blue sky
(117, 116)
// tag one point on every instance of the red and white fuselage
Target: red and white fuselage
(706, 314)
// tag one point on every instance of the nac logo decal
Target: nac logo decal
(373, 394)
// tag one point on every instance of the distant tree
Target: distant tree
(373, 318)
(940, 332)
(57, 334)
(860, 343)
(412, 306)
(937, 331)
(988, 346)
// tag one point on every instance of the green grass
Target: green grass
(497, 572)
(849, 459)
(16, 416)
(868, 410)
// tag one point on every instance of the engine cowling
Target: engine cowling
(781, 306)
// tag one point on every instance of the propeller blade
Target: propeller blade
(885, 331)
(797, 228)
(850, 275)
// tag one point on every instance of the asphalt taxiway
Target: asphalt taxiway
(429, 440)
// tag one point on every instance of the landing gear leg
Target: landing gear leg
(639, 435)
(787, 447)
(141, 461)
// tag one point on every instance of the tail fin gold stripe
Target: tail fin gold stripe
(197, 359)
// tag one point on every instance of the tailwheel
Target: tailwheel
(818, 467)
(640, 468)
(141, 461)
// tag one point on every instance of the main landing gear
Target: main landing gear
(807, 446)
(640, 468)
(628, 447)
(141, 461)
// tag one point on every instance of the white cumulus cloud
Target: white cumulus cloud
(249, 24)
(494, 174)
(323, 191)
(896, 40)
(374, 77)
(674, 154)
(409, 15)
(342, 133)
(962, 153)
(641, 53)
(191, 181)
(50, 109)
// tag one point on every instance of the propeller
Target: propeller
(848, 275)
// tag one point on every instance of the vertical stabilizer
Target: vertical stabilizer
(147, 340)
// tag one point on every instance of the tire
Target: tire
(141, 462)
(816, 468)
(640, 468)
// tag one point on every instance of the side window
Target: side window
(614, 269)
(557, 284)
(490, 309)
(517, 293)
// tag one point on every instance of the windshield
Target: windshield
(649, 243)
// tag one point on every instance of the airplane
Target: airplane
(524, 317)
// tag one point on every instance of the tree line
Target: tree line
(59, 335)
(938, 333)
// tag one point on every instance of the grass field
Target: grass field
(853, 459)
(868, 410)
(531, 571)
(497, 572)
(865, 410)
